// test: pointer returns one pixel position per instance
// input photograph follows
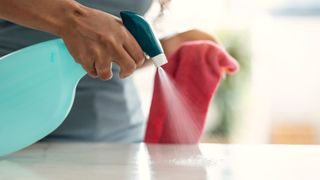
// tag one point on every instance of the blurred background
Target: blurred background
(275, 98)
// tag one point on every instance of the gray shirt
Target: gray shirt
(103, 111)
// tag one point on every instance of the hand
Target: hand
(172, 43)
(96, 39)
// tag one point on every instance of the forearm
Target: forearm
(171, 43)
(49, 16)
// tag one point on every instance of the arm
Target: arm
(94, 38)
(42, 15)
(172, 43)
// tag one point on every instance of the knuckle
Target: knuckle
(113, 43)
(130, 67)
(94, 54)
(123, 30)
(102, 37)
(111, 47)
(93, 49)
(124, 35)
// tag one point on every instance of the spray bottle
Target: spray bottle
(144, 35)
(38, 85)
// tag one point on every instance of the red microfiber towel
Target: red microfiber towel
(196, 69)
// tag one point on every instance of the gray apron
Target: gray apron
(103, 111)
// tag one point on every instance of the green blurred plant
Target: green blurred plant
(226, 100)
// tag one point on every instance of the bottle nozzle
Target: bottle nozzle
(159, 60)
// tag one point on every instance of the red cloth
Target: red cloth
(196, 69)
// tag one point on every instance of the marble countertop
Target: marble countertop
(89, 161)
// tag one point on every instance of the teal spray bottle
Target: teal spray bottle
(38, 85)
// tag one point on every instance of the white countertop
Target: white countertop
(59, 161)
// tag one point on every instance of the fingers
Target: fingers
(96, 58)
(134, 50)
(98, 64)
(126, 63)
(87, 64)
(90, 68)
(99, 40)
(80, 55)
(103, 65)
(104, 70)
(128, 57)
